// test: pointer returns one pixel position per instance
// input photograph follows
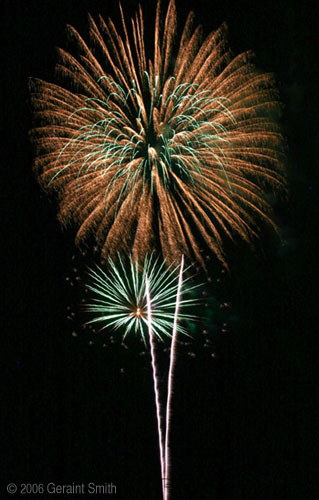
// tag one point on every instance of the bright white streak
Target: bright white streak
(155, 381)
(167, 460)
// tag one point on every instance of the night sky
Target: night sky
(75, 411)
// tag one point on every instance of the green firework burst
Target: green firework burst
(119, 300)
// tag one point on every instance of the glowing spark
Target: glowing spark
(138, 312)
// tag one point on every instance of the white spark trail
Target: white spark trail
(156, 389)
(167, 460)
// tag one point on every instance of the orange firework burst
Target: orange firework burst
(170, 152)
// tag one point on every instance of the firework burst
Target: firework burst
(120, 299)
(170, 150)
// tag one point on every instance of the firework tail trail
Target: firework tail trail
(156, 389)
(170, 385)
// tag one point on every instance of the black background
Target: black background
(245, 422)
